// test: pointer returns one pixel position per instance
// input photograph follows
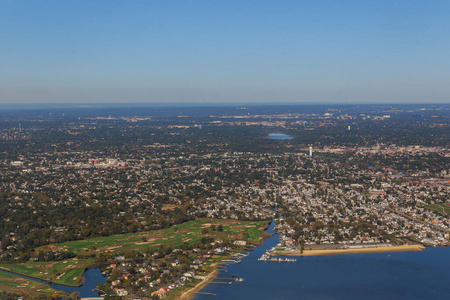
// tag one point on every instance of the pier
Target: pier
(237, 260)
(221, 282)
(207, 294)
(267, 256)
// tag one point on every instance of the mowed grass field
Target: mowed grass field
(176, 235)
(252, 234)
(70, 271)
(8, 279)
(15, 284)
(441, 208)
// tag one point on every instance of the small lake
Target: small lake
(93, 277)
(279, 136)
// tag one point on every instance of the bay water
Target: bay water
(397, 275)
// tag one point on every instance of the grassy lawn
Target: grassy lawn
(4, 279)
(67, 272)
(15, 284)
(71, 277)
(27, 270)
(441, 208)
(253, 234)
(175, 236)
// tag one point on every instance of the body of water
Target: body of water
(93, 278)
(397, 275)
(278, 136)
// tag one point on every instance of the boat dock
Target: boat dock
(207, 294)
(221, 282)
(267, 256)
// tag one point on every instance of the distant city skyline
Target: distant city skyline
(224, 51)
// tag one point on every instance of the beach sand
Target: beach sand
(400, 248)
(190, 293)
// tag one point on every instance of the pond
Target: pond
(279, 136)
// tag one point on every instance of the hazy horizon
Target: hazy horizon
(156, 105)
(224, 51)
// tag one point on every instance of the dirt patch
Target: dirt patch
(18, 280)
(224, 223)
(236, 236)
(146, 242)
(105, 248)
(49, 265)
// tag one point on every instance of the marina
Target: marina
(267, 256)
(412, 275)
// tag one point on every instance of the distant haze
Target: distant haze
(79, 51)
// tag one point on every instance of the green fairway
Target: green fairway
(71, 277)
(253, 234)
(16, 284)
(174, 236)
(441, 208)
(70, 271)
(27, 270)
(4, 275)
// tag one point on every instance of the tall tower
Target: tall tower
(310, 151)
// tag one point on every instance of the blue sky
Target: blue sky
(224, 51)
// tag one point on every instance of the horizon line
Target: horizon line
(250, 103)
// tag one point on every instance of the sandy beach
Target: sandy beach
(400, 248)
(190, 293)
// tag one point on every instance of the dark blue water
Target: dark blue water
(401, 275)
(93, 278)
(278, 136)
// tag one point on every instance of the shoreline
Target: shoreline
(190, 293)
(401, 248)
